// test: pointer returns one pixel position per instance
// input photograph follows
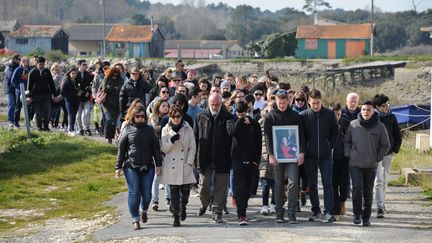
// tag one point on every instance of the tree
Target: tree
(390, 35)
(139, 19)
(167, 28)
(241, 25)
(215, 35)
(311, 6)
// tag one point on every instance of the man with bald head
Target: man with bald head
(213, 128)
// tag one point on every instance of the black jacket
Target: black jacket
(130, 91)
(393, 131)
(69, 91)
(321, 132)
(276, 117)
(338, 149)
(139, 146)
(85, 85)
(41, 83)
(212, 135)
(347, 117)
(8, 88)
(247, 141)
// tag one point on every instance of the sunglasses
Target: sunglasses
(258, 94)
(298, 100)
(139, 116)
(176, 117)
(165, 92)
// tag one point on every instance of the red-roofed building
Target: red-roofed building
(333, 41)
(42, 38)
(136, 41)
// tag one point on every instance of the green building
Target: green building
(333, 41)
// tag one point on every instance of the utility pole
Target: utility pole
(102, 2)
(315, 13)
(372, 29)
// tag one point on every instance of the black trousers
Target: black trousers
(179, 198)
(362, 190)
(340, 183)
(243, 173)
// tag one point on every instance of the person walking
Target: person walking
(246, 155)
(69, 92)
(382, 107)
(212, 133)
(20, 75)
(84, 82)
(178, 145)
(139, 158)
(321, 132)
(366, 143)
(283, 115)
(9, 89)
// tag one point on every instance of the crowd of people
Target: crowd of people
(217, 136)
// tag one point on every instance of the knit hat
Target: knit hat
(225, 84)
(192, 71)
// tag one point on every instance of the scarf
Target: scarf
(369, 123)
(176, 128)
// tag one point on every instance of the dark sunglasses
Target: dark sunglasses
(176, 117)
(165, 92)
(258, 94)
(139, 116)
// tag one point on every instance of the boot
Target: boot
(183, 214)
(176, 222)
(342, 208)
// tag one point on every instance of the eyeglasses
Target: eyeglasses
(176, 117)
(281, 92)
(258, 94)
(299, 100)
(165, 92)
(139, 116)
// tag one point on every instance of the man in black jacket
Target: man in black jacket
(84, 83)
(321, 133)
(212, 133)
(282, 115)
(246, 155)
(41, 89)
(351, 111)
(9, 89)
(382, 107)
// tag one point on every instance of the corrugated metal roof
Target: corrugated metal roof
(92, 32)
(47, 31)
(344, 31)
(8, 25)
(198, 44)
(131, 33)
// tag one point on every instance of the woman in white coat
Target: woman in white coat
(178, 144)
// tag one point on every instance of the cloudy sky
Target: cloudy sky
(272, 5)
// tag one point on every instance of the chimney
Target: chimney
(152, 24)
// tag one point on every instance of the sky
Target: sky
(273, 5)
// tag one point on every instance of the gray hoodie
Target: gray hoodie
(366, 142)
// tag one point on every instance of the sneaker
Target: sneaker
(328, 218)
(292, 219)
(315, 217)
(242, 221)
(380, 213)
(272, 208)
(155, 206)
(81, 132)
(356, 219)
(88, 132)
(183, 214)
(280, 219)
(218, 218)
(225, 209)
(202, 211)
(72, 134)
(168, 202)
(265, 210)
(366, 223)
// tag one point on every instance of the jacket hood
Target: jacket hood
(180, 97)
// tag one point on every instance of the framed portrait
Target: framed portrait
(286, 145)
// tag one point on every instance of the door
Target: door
(331, 47)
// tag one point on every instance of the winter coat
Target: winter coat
(130, 91)
(266, 171)
(139, 146)
(393, 131)
(186, 116)
(69, 91)
(213, 139)
(366, 142)
(8, 88)
(321, 132)
(112, 89)
(347, 117)
(85, 85)
(247, 141)
(20, 75)
(41, 83)
(177, 166)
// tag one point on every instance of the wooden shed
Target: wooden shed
(333, 41)
(42, 38)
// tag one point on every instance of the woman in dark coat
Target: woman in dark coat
(111, 85)
(69, 91)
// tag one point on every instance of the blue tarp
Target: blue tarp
(413, 114)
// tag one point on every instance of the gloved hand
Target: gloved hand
(175, 138)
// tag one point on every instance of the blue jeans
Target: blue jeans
(155, 190)
(110, 123)
(10, 99)
(139, 185)
(362, 190)
(72, 111)
(266, 185)
(326, 168)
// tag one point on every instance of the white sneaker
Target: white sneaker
(272, 208)
(72, 134)
(265, 210)
(161, 187)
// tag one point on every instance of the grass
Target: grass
(417, 58)
(54, 175)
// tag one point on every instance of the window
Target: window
(311, 44)
(120, 45)
(21, 41)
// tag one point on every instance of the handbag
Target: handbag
(100, 97)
